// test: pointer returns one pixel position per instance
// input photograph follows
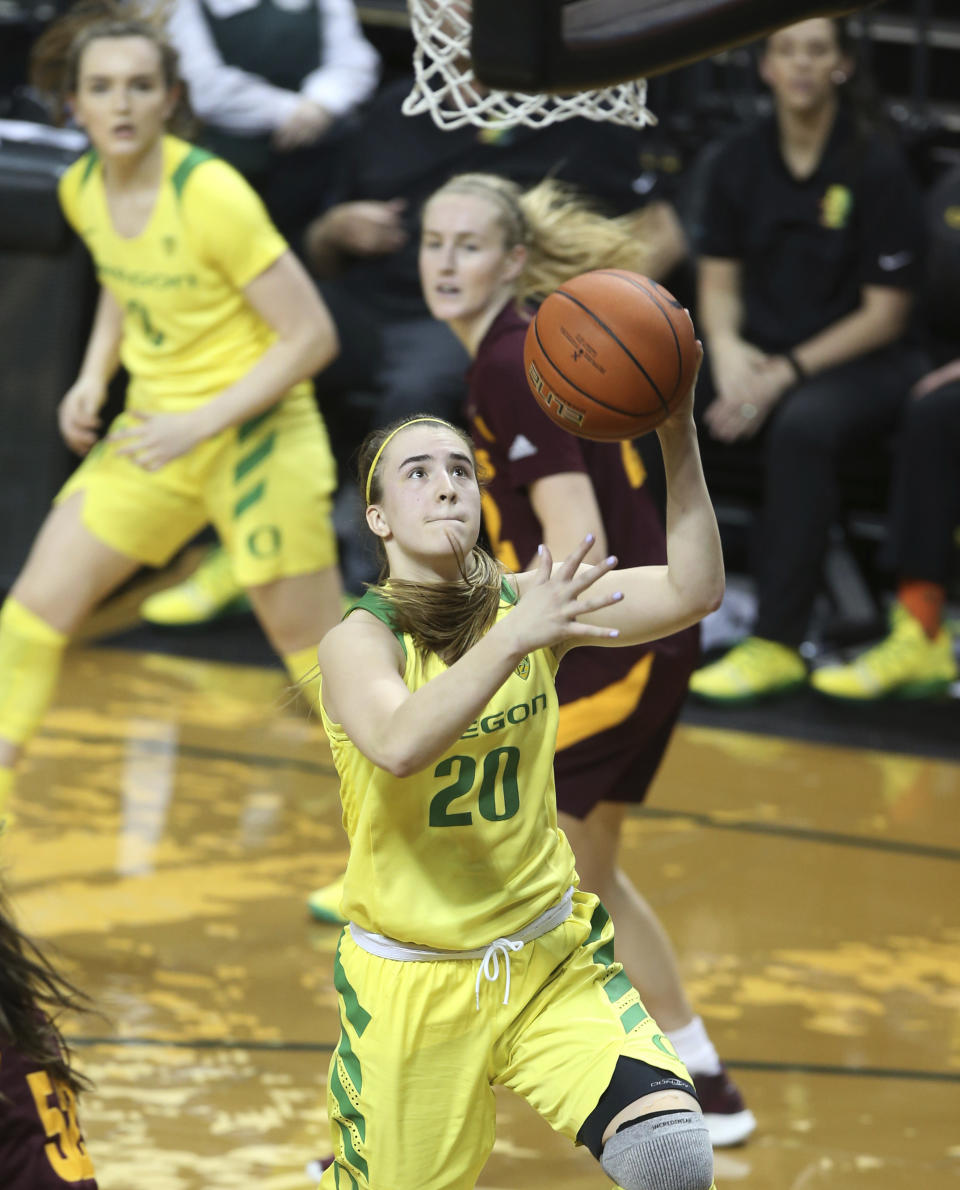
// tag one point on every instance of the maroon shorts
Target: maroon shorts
(618, 765)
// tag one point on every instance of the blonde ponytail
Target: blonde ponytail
(563, 233)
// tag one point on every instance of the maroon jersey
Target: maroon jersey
(600, 690)
(41, 1145)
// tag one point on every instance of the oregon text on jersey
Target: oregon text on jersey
(500, 719)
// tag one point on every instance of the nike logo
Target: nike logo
(894, 261)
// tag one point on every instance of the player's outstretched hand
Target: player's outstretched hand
(549, 608)
(79, 414)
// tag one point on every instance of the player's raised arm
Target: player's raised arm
(658, 600)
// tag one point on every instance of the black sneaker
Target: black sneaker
(728, 1119)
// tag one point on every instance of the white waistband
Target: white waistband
(408, 952)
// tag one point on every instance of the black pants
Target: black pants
(925, 507)
(816, 424)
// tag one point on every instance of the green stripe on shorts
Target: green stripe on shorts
(347, 1110)
(617, 987)
(254, 424)
(633, 1016)
(349, 1059)
(336, 1176)
(261, 451)
(598, 923)
(357, 1015)
(248, 499)
(351, 1114)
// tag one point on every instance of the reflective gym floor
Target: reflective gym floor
(174, 813)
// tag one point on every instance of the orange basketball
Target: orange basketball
(610, 355)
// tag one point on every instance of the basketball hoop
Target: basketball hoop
(446, 86)
(556, 59)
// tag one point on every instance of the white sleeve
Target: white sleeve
(226, 96)
(350, 65)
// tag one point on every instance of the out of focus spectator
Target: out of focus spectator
(272, 84)
(811, 244)
(916, 659)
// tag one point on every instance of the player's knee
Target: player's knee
(665, 1151)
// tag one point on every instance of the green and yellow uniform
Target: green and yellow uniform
(460, 858)
(188, 334)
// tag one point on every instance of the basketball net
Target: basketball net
(446, 86)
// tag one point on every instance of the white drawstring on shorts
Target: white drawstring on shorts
(490, 966)
(489, 956)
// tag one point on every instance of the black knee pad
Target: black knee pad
(631, 1080)
(664, 1151)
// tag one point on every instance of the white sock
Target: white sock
(695, 1048)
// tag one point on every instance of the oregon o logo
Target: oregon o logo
(264, 542)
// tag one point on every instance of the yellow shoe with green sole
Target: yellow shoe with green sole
(211, 591)
(754, 669)
(324, 904)
(905, 664)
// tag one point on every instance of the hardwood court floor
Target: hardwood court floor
(173, 816)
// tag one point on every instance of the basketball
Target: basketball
(610, 354)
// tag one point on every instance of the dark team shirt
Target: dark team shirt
(396, 156)
(808, 246)
(41, 1145)
(518, 444)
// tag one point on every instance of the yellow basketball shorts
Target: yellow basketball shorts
(410, 1091)
(266, 486)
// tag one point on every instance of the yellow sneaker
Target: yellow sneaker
(905, 664)
(754, 669)
(209, 592)
(324, 904)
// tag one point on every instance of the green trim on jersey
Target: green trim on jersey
(507, 592)
(372, 601)
(178, 179)
(91, 158)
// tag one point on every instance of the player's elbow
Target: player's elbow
(700, 600)
(319, 343)
(713, 595)
(397, 761)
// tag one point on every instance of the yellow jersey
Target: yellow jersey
(468, 849)
(188, 330)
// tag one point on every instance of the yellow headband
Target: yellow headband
(383, 445)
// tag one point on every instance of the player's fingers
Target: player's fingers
(544, 564)
(578, 628)
(588, 575)
(585, 605)
(572, 562)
